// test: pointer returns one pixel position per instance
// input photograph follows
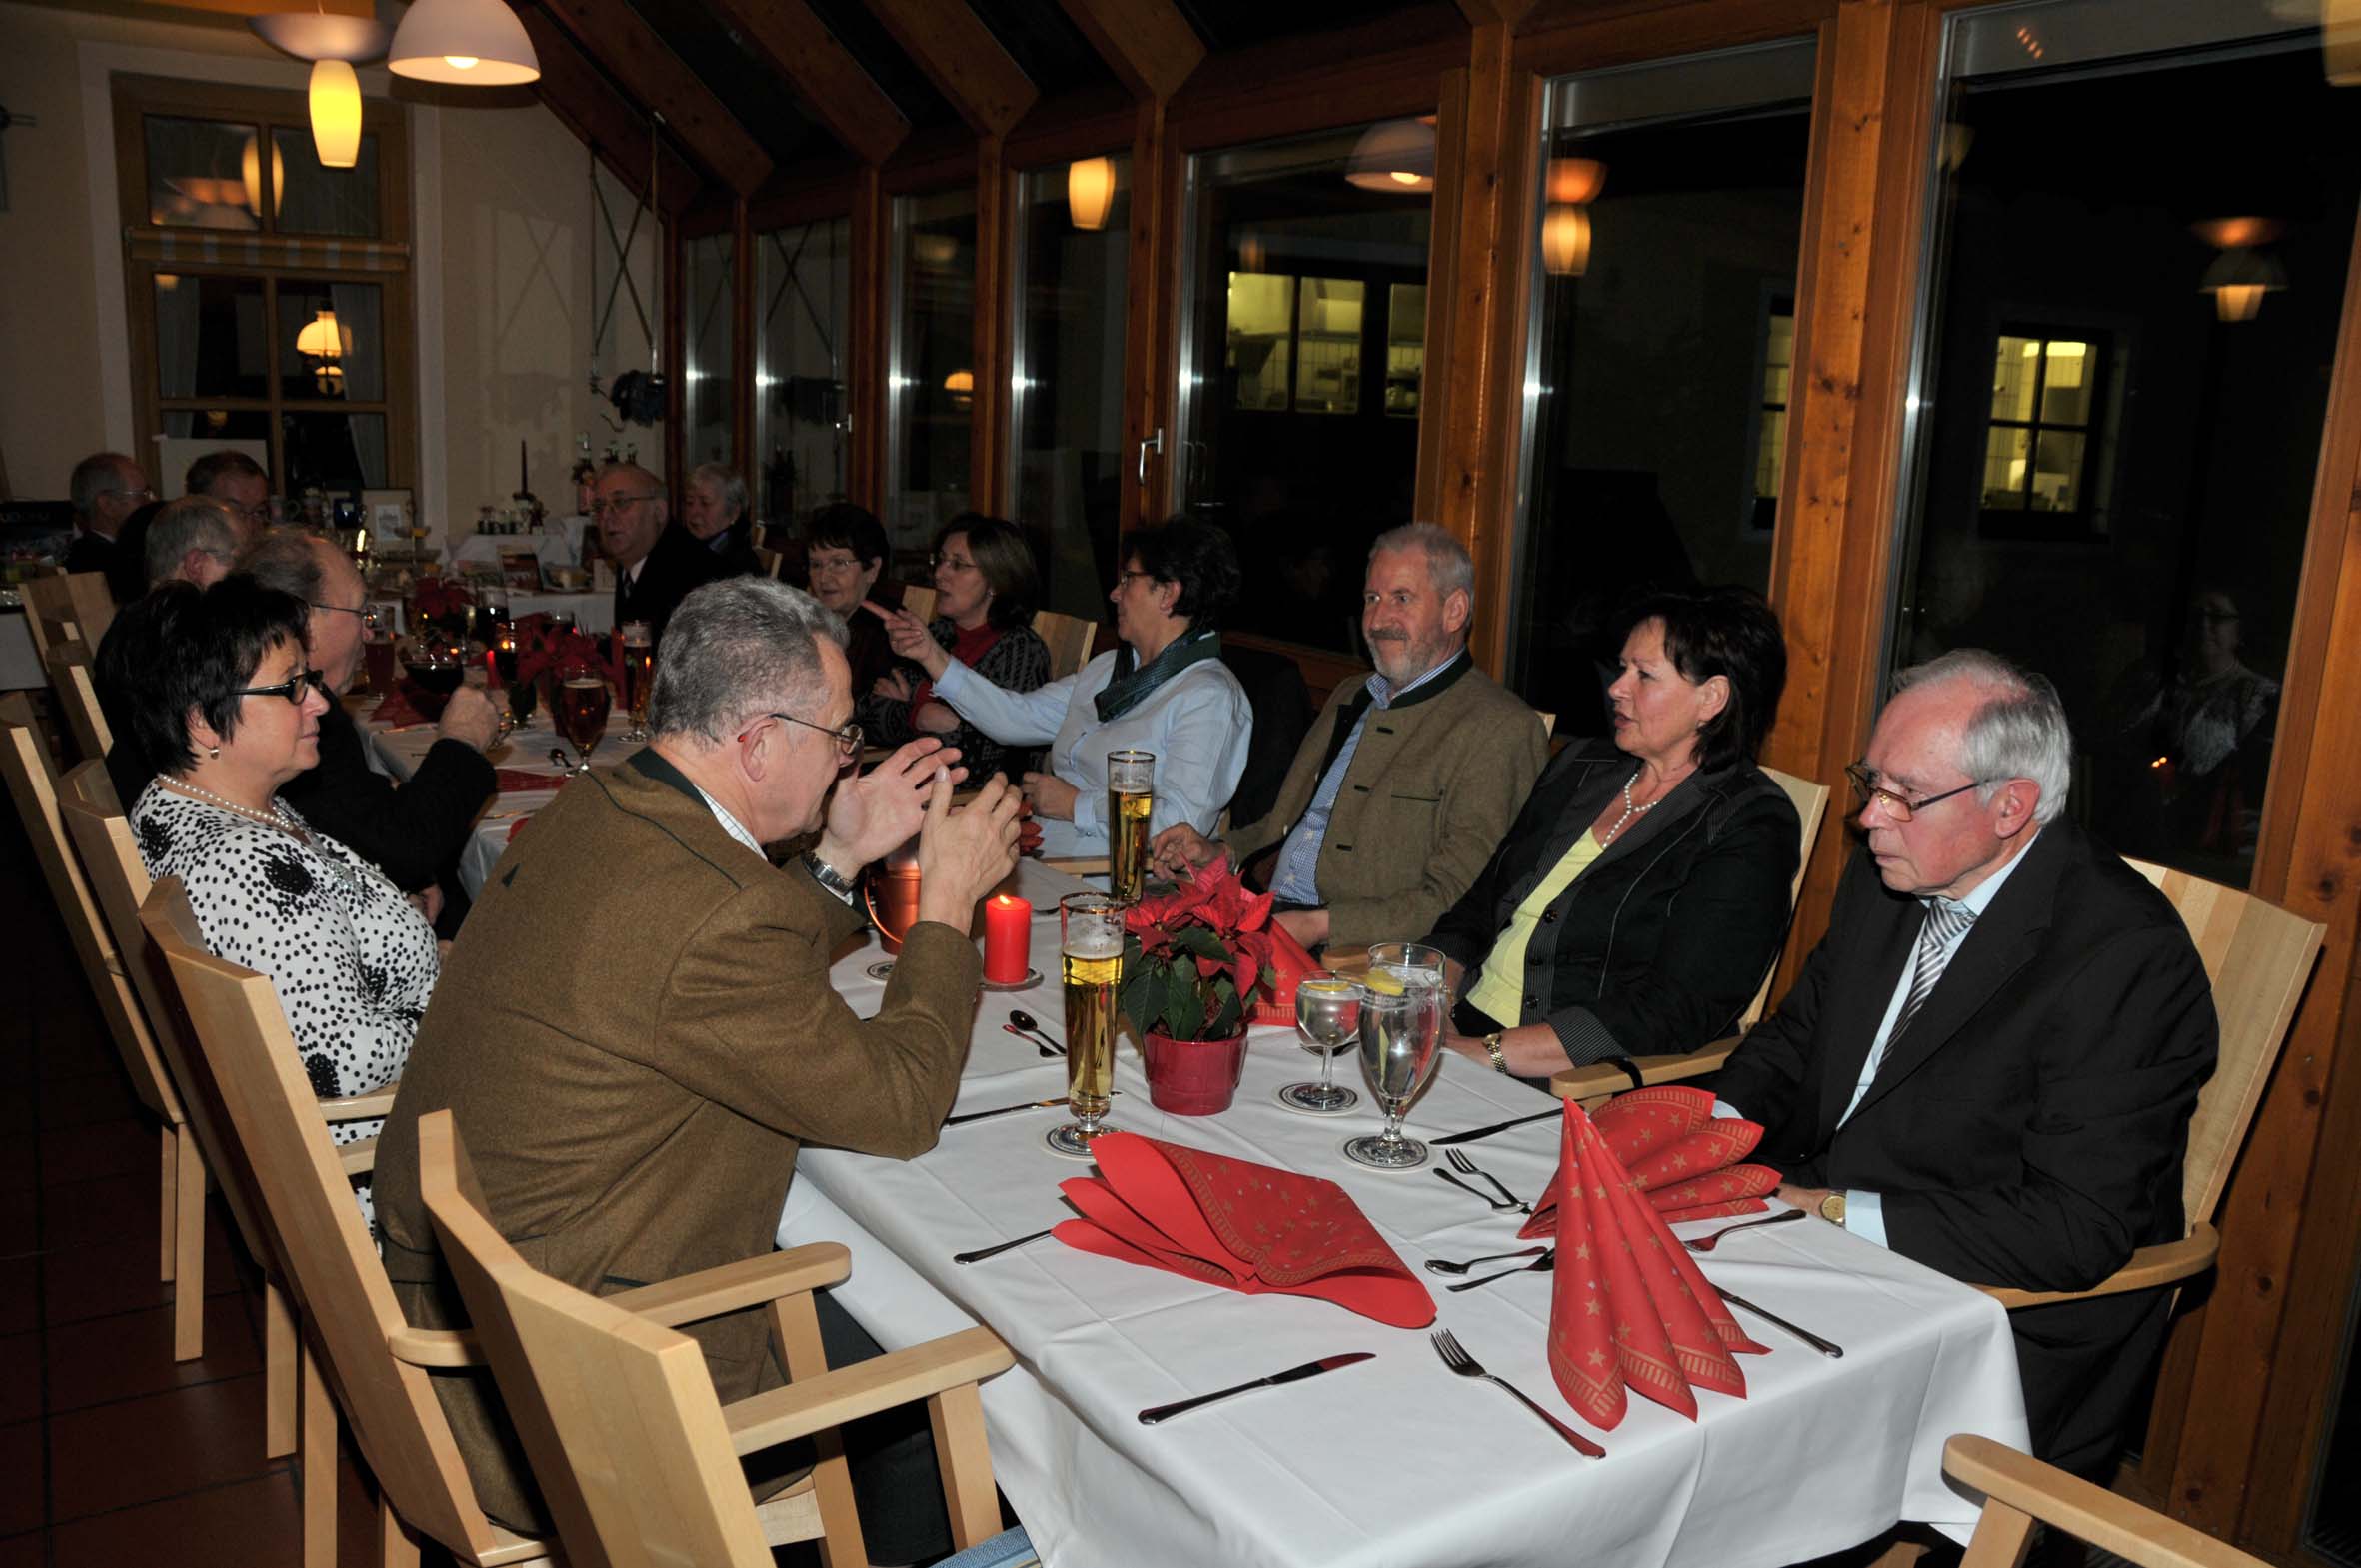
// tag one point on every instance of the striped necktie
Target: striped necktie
(1947, 926)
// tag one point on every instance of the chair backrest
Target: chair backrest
(2021, 1490)
(246, 1067)
(617, 1414)
(1549, 723)
(1811, 805)
(2258, 956)
(756, 533)
(767, 560)
(918, 602)
(77, 693)
(1067, 639)
(81, 598)
(34, 788)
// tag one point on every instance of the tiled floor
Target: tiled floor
(110, 1451)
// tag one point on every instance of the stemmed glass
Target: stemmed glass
(1090, 955)
(1400, 1041)
(1410, 963)
(1328, 1013)
(581, 705)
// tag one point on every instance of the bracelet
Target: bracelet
(828, 877)
(1492, 1043)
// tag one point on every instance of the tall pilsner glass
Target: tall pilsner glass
(639, 675)
(1090, 956)
(1131, 800)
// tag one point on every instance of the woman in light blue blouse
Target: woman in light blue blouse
(1165, 690)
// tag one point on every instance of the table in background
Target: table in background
(593, 613)
(1396, 1461)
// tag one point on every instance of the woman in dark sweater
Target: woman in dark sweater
(1637, 902)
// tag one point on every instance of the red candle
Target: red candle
(1007, 939)
(491, 668)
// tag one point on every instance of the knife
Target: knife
(1498, 1127)
(1156, 1413)
(1826, 1347)
(1003, 1110)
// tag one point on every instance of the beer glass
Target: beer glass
(1130, 798)
(1400, 1041)
(1090, 956)
(1328, 1013)
(639, 674)
(580, 712)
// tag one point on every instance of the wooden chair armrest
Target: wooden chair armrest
(735, 1286)
(1600, 1079)
(437, 1349)
(2163, 1264)
(850, 1392)
(1079, 865)
(360, 1107)
(358, 1160)
(2087, 1512)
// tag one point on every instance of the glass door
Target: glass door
(931, 391)
(803, 285)
(706, 278)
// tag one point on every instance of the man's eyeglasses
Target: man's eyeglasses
(368, 612)
(605, 504)
(291, 689)
(141, 493)
(1867, 790)
(848, 737)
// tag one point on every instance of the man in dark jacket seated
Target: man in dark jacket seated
(656, 563)
(414, 832)
(1989, 1061)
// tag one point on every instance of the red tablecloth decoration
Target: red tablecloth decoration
(1240, 1225)
(1674, 1150)
(1628, 1310)
(525, 780)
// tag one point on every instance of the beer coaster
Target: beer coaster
(1350, 1103)
(1080, 1156)
(880, 970)
(1032, 978)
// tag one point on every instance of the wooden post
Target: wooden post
(865, 355)
(1152, 282)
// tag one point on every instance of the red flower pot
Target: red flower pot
(1193, 1078)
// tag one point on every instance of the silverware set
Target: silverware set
(1467, 1167)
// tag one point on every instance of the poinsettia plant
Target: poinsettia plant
(543, 645)
(447, 607)
(1195, 958)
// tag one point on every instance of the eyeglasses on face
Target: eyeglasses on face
(141, 493)
(367, 612)
(1122, 579)
(605, 504)
(1901, 808)
(831, 565)
(291, 689)
(848, 737)
(956, 563)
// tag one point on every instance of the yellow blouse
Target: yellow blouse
(1500, 992)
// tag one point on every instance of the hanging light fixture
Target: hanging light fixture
(1573, 181)
(1089, 191)
(325, 342)
(1394, 156)
(469, 43)
(2243, 273)
(961, 383)
(336, 114)
(250, 173)
(332, 44)
(1565, 240)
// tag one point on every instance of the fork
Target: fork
(1467, 1167)
(1446, 1345)
(1709, 1243)
(1447, 1266)
(1542, 1264)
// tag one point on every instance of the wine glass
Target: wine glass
(1400, 1041)
(1409, 961)
(1328, 1013)
(638, 675)
(581, 704)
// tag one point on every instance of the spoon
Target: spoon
(557, 755)
(1025, 1021)
(1035, 1041)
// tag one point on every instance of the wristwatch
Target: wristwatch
(828, 877)
(1832, 1208)
(1492, 1043)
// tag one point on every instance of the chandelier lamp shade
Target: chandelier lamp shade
(465, 43)
(1089, 191)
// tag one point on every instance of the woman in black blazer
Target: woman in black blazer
(1638, 900)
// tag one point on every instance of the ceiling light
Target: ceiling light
(336, 114)
(475, 43)
(1394, 156)
(1089, 191)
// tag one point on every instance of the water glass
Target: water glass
(1400, 1041)
(1328, 1016)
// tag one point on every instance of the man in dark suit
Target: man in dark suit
(656, 565)
(1990, 1062)
(106, 488)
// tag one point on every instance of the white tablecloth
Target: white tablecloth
(1395, 1461)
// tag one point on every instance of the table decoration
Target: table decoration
(1678, 1153)
(1195, 960)
(1243, 1226)
(1007, 940)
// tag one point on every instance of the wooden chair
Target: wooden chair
(756, 532)
(2020, 1491)
(77, 693)
(767, 560)
(81, 598)
(1069, 639)
(2258, 958)
(1599, 1080)
(1549, 723)
(34, 787)
(636, 1458)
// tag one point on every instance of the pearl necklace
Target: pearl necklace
(276, 817)
(1629, 811)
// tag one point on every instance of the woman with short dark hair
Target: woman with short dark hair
(1637, 903)
(225, 710)
(985, 588)
(1164, 689)
(845, 551)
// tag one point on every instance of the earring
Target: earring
(213, 752)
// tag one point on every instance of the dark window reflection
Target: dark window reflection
(803, 281)
(331, 340)
(319, 200)
(334, 450)
(934, 373)
(211, 337)
(204, 175)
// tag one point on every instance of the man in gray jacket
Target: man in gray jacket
(1410, 776)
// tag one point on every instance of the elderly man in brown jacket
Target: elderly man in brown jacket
(1410, 776)
(637, 1032)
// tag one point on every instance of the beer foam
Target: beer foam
(1094, 942)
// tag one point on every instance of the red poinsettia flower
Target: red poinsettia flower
(1202, 952)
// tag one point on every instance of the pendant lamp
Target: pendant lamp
(1089, 191)
(1394, 156)
(467, 43)
(332, 44)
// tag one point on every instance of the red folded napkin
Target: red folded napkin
(1290, 964)
(1628, 1310)
(521, 780)
(1237, 1224)
(401, 706)
(1676, 1151)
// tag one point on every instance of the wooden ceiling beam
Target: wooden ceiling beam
(959, 55)
(1485, 13)
(790, 37)
(633, 53)
(572, 88)
(1147, 44)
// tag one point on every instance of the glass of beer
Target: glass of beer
(1130, 798)
(1090, 955)
(579, 707)
(639, 674)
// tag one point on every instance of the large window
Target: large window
(933, 390)
(1671, 199)
(269, 297)
(705, 338)
(802, 288)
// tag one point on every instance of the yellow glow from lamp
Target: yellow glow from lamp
(462, 62)
(336, 114)
(1089, 191)
(1565, 240)
(2238, 301)
(250, 173)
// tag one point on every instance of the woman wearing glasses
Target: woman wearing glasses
(984, 589)
(230, 710)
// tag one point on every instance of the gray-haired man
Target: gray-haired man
(1409, 779)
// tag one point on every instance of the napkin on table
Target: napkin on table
(1241, 1225)
(399, 706)
(1290, 964)
(1674, 1148)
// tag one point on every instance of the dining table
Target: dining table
(1395, 1460)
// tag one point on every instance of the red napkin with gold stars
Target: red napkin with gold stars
(524, 780)
(1628, 1310)
(1240, 1225)
(1687, 1162)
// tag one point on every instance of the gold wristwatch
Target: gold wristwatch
(1492, 1043)
(1832, 1208)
